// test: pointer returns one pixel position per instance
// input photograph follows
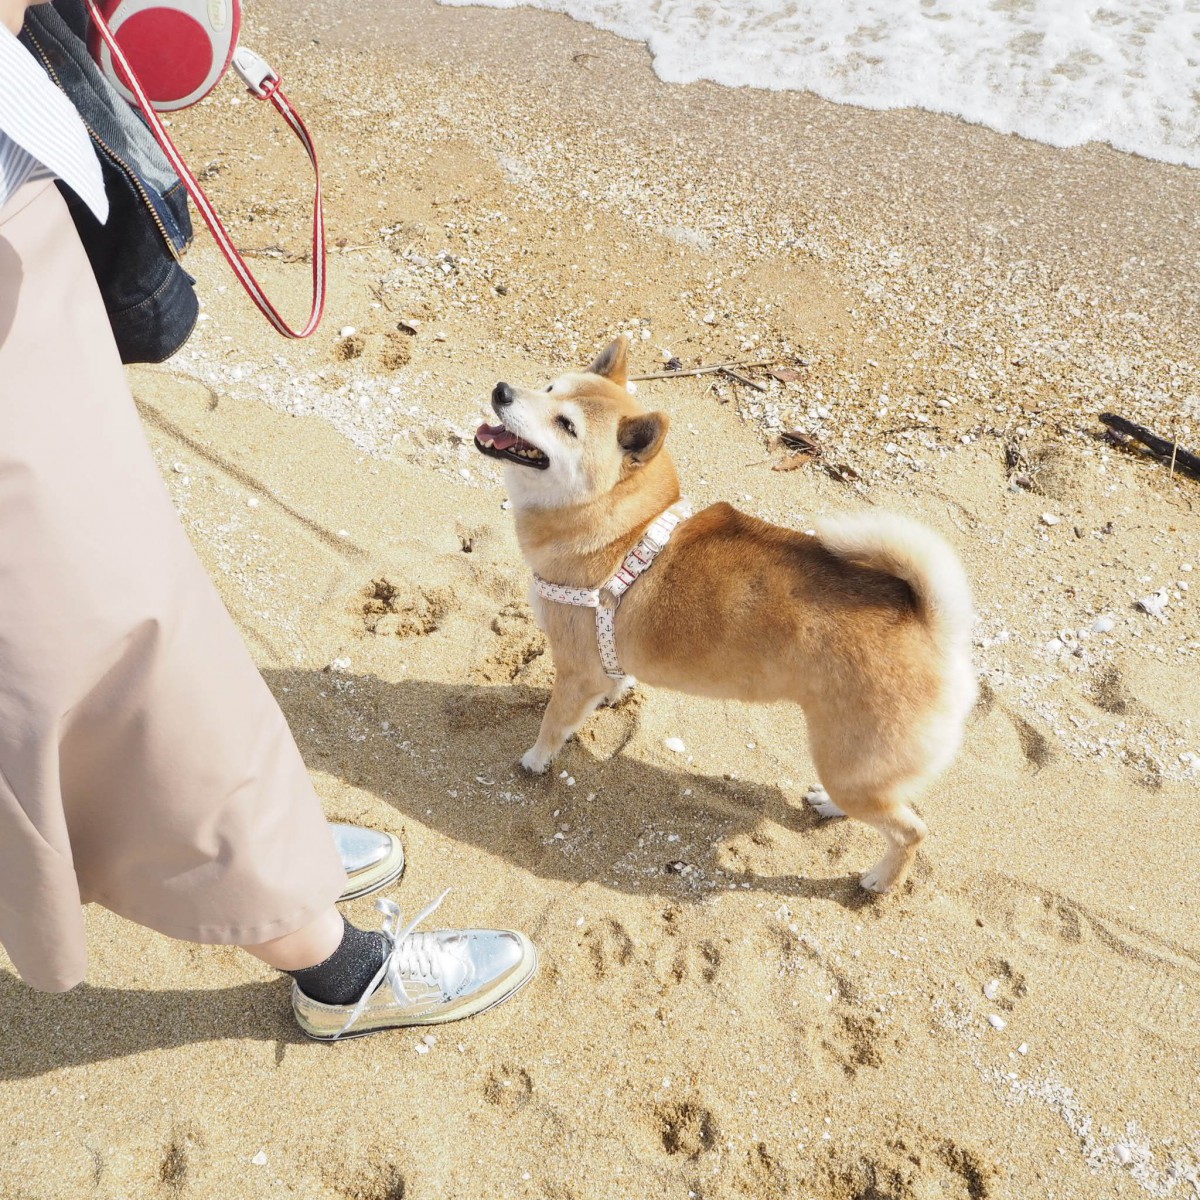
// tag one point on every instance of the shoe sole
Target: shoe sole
(369, 881)
(436, 1020)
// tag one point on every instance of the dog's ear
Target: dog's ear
(641, 437)
(611, 362)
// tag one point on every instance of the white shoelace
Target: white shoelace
(413, 954)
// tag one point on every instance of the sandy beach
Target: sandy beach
(721, 1013)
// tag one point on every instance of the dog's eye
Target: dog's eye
(568, 425)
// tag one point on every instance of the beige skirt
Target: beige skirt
(144, 764)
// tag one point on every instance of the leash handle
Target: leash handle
(263, 83)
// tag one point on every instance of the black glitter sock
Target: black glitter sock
(343, 976)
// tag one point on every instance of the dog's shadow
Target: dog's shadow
(448, 759)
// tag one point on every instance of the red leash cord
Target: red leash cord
(264, 84)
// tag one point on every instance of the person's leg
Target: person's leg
(306, 947)
(144, 763)
(332, 961)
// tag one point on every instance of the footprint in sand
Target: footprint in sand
(383, 1183)
(686, 1128)
(396, 351)
(173, 1170)
(1109, 692)
(1002, 983)
(855, 1042)
(394, 607)
(762, 1176)
(607, 944)
(517, 652)
(909, 1168)
(613, 726)
(1062, 947)
(700, 960)
(509, 1088)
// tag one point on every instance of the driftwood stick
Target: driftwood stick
(710, 370)
(744, 379)
(1185, 460)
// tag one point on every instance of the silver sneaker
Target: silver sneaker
(372, 859)
(426, 978)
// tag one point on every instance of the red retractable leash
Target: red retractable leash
(187, 81)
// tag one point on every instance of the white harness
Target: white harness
(605, 599)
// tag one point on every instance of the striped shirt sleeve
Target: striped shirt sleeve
(41, 132)
(17, 166)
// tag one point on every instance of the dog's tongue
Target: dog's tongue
(500, 437)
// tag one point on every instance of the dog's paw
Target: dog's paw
(876, 882)
(817, 798)
(886, 874)
(535, 763)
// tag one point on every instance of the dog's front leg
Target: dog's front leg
(573, 698)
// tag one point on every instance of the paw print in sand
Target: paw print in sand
(397, 608)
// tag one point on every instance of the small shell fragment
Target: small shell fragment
(996, 1021)
(1154, 604)
(675, 745)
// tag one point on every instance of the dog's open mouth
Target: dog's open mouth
(498, 442)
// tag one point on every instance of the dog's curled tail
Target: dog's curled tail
(912, 552)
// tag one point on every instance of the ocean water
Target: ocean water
(1066, 72)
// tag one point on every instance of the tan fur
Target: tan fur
(865, 626)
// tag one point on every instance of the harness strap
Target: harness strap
(606, 598)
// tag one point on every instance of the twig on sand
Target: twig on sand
(762, 387)
(1165, 449)
(713, 369)
(277, 252)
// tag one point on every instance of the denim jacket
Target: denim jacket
(135, 255)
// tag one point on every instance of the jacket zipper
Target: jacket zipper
(129, 171)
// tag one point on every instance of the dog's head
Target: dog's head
(576, 439)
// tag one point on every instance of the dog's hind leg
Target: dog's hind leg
(571, 701)
(876, 752)
(901, 828)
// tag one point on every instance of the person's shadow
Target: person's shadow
(44, 1033)
(447, 758)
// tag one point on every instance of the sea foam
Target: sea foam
(1066, 72)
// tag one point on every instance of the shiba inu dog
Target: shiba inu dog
(865, 625)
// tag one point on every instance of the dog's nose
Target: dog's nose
(502, 395)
